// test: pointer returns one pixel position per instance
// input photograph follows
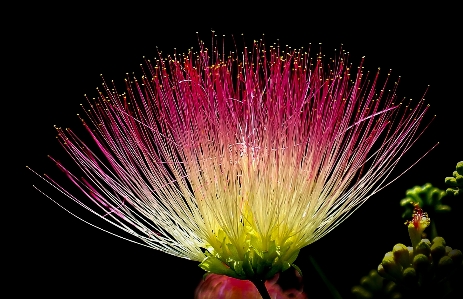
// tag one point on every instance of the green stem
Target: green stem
(433, 230)
(260, 285)
(332, 289)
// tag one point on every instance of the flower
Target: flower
(238, 163)
(420, 221)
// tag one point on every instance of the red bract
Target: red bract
(224, 287)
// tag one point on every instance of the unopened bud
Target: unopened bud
(438, 240)
(401, 254)
(368, 283)
(391, 266)
(456, 256)
(361, 293)
(444, 266)
(390, 287)
(376, 277)
(409, 276)
(383, 273)
(423, 247)
(437, 251)
(410, 251)
(421, 263)
(448, 249)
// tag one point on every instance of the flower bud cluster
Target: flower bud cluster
(428, 197)
(426, 264)
(375, 286)
(455, 182)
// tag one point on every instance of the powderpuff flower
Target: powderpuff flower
(238, 161)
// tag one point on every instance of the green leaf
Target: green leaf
(413, 194)
(232, 252)
(460, 167)
(293, 257)
(238, 268)
(247, 266)
(276, 267)
(442, 208)
(297, 269)
(214, 265)
(285, 266)
(406, 201)
(451, 181)
(257, 262)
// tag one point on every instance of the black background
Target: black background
(65, 49)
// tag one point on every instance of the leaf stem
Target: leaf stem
(332, 289)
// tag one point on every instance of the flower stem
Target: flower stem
(260, 285)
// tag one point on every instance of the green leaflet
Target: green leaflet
(214, 265)
(254, 265)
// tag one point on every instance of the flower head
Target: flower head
(238, 162)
